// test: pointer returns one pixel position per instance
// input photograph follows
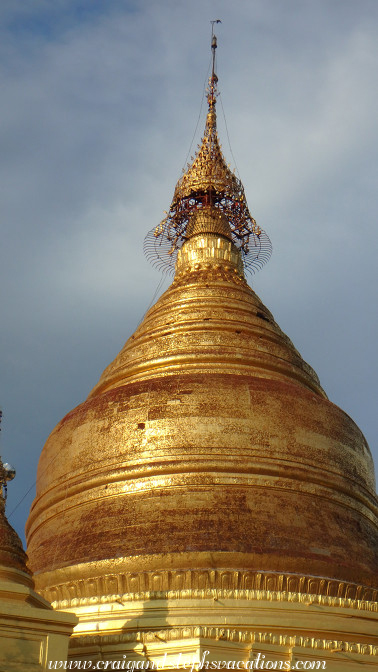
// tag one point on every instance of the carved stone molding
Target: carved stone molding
(209, 273)
(208, 584)
(225, 634)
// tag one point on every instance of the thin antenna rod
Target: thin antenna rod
(213, 78)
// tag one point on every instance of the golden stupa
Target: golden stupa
(207, 497)
(31, 632)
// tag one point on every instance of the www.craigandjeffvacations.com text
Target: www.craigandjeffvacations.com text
(259, 662)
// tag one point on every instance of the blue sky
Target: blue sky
(99, 104)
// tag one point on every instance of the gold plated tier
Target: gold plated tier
(209, 220)
(208, 444)
(209, 321)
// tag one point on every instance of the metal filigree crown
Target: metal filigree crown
(208, 182)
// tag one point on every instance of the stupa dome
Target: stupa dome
(207, 457)
(208, 442)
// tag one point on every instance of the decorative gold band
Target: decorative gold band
(197, 584)
(230, 635)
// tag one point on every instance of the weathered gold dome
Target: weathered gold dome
(208, 445)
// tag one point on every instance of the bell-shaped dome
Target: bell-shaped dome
(207, 444)
(208, 454)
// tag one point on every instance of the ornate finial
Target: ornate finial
(208, 183)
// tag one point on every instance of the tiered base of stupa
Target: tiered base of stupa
(218, 619)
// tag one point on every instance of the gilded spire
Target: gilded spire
(208, 183)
